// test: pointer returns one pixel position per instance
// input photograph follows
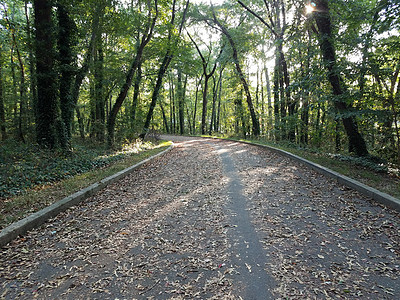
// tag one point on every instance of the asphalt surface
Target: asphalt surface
(211, 220)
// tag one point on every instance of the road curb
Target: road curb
(38, 218)
(366, 190)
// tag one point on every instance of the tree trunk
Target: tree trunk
(181, 102)
(21, 126)
(128, 81)
(269, 103)
(47, 106)
(195, 104)
(277, 119)
(80, 123)
(32, 84)
(217, 122)
(205, 87)
(254, 118)
(323, 20)
(163, 69)
(171, 90)
(65, 45)
(305, 94)
(2, 109)
(189, 121)
(240, 114)
(136, 93)
(161, 72)
(164, 118)
(205, 103)
(99, 93)
(215, 88)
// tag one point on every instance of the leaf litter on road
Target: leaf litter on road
(161, 232)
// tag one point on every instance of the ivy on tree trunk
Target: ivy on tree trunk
(67, 69)
(48, 128)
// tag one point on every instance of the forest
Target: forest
(316, 74)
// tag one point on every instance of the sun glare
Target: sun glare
(310, 8)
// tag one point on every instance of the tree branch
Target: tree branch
(258, 17)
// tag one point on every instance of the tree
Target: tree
(22, 85)
(2, 111)
(172, 42)
(181, 100)
(144, 40)
(66, 42)
(323, 20)
(206, 76)
(254, 117)
(136, 92)
(81, 73)
(277, 25)
(49, 129)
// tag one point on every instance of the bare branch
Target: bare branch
(258, 17)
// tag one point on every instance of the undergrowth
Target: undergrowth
(23, 166)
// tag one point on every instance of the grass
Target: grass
(95, 163)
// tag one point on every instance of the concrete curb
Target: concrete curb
(366, 190)
(38, 218)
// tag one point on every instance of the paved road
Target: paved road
(212, 220)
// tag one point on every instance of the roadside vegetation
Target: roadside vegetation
(32, 178)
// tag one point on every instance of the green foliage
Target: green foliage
(372, 163)
(25, 167)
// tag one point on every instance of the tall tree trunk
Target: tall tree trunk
(195, 104)
(80, 123)
(32, 71)
(212, 121)
(240, 114)
(305, 94)
(277, 98)
(2, 109)
(47, 104)
(189, 121)
(136, 92)
(21, 127)
(181, 102)
(98, 72)
(207, 77)
(67, 68)
(172, 105)
(171, 102)
(254, 118)
(217, 122)
(99, 93)
(277, 26)
(323, 20)
(269, 103)
(14, 91)
(164, 118)
(80, 75)
(205, 103)
(161, 72)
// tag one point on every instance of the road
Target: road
(212, 219)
